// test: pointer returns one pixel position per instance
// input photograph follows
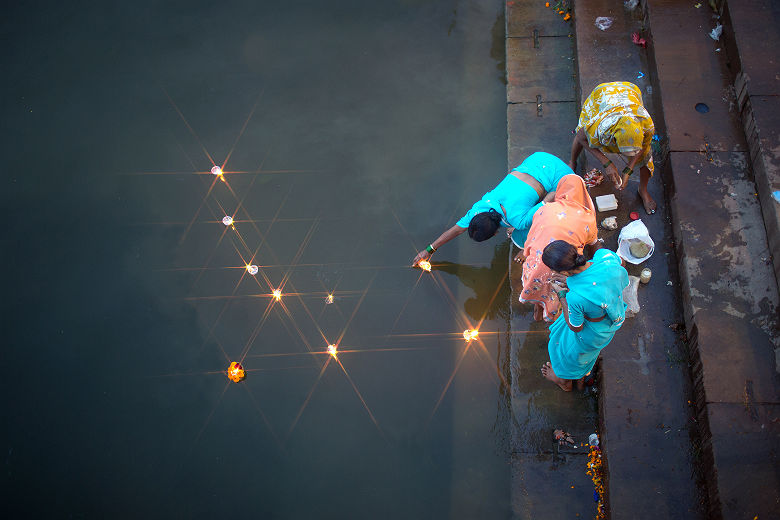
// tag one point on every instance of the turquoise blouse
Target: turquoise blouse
(518, 198)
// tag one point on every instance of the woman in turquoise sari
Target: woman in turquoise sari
(591, 295)
(511, 204)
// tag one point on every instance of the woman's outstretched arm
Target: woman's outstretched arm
(445, 237)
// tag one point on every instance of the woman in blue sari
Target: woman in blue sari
(511, 204)
(591, 295)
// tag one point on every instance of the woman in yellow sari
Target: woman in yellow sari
(571, 217)
(614, 120)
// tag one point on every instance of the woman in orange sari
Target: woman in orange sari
(571, 217)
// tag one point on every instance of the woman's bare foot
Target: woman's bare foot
(548, 374)
(581, 383)
(647, 200)
(538, 312)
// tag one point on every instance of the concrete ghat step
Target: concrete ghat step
(645, 382)
(729, 288)
(540, 115)
(751, 39)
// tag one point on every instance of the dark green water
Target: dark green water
(119, 317)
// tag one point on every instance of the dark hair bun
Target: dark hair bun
(560, 255)
(484, 225)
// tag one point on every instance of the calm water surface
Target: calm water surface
(373, 126)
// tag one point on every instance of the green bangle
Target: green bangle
(628, 170)
(606, 164)
(562, 294)
(430, 249)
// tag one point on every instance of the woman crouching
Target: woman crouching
(591, 296)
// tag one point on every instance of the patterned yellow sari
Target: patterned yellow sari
(615, 121)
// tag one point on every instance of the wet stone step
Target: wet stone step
(524, 17)
(531, 130)
(541, 66)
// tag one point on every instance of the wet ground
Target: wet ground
(644, 410)
(541, 111)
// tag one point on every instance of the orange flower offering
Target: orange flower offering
(236, 372)
(425, 265)
(596, 474)
(333, 350)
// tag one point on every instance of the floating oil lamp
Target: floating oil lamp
(470, 334)
(252, 269)
(333, 350)
(329, 299)
(425, 265)
(216, 170)
(236, 372)
(277, 294)
(227, 220)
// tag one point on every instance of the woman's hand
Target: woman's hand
(558, 280)
(422, 255)
(520, 257)
(557, 286)
(614, 176)
(624, 181)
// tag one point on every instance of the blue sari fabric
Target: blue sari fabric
(520, 201)
(595, 292)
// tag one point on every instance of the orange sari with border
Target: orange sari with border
(572, 218)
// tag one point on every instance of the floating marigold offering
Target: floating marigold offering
(425, 265)
(236, 372)
(333, 350)
(277, 294)
(329, 299)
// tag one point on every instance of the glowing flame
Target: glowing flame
(277, 294)
(470, 334)
(216, 170)
(329, 299)
(425, 265)
(236, 372)
(227, 220)
(251, 269)
(333, 350)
